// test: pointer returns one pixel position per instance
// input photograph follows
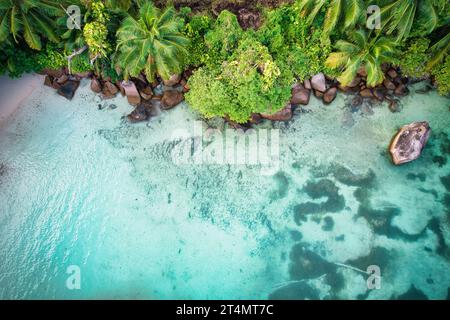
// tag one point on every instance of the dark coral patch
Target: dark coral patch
(282, 183)
(306, 264)
(442, 248)
(446, 182)
(321, 189)
(413, 176)
(380, 220)
(295, 291)
(347, 177)
(412, 294)
(328, 224)
(440, 160)
(362, 195)
(336, 282)
(378, 256)
(429, 191)
(296, 235)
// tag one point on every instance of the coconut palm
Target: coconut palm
(439, 51)
(30, 20)
(153, 43)
(362, 51)
(344, 14)
(399, 17)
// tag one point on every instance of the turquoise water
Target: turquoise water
(81, 186)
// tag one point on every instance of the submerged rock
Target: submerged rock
(409, 142)
(284, 114)
(141, 113)
(347, 119)
(67, 90)
(171, 98)
(395, 106)
(300, 95)
(401, 90)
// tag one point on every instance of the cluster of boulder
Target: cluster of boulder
(326, 89)
(166, 94)
(64, 83)
(146, 96)
(139, 92)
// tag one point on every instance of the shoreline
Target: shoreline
(14, 92)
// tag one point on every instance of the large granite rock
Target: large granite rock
(67, 90)
(284, 114)
(171, 98)
(318, 82)
(131, 92)
(300, 95)
(96, 86)
(408, 143)
(330, 95)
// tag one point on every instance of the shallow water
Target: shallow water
(81, 187)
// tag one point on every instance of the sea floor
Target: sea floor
(80, 186)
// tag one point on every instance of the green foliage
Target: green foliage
(248, 82)
(209, 95)
(299, 50)
(81, 63)
(441, 75)
(361, 50)
(95, 33)
(414, 57)
(152, 43)
(29, 20)
(405, 18)
(342, 14)
(19, 61)
(195, 30)
(223, 39)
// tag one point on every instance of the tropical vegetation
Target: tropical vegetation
(236, 71)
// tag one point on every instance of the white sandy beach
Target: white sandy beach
(13, 92)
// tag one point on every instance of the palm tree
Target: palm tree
(152, 43)
(362, 51)
(29, 19)
(400, 16)
(339, 13)
(439, 51)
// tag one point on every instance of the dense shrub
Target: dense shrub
(441, 74)
(195, 30)
(19, 61)
(248, 82)
(223, 39)
(414, 57)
